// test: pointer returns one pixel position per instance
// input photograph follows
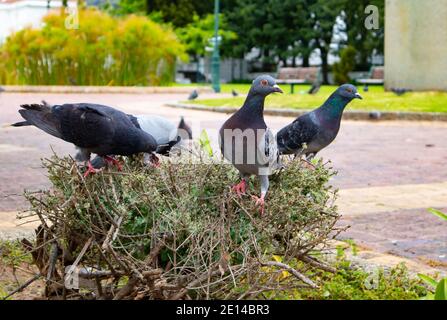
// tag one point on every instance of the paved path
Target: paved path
(389, 172)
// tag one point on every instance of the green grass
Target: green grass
(375, 99)
(356, 284)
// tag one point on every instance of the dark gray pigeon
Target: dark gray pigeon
(234, 93)
(246, 141)
(194, 95)
(314, 88)
(365, 88)
(315, 130)
(399, 91)
(185, 131)
(164, 131)
(92, 128)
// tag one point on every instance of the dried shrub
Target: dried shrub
(178, 232)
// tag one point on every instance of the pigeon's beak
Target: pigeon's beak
(358, 96)
(276, 88)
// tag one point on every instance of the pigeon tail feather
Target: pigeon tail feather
(42, 117)
(21, 124)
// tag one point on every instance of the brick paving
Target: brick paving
(366, 155)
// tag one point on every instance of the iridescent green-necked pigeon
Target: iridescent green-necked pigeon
(315, 130)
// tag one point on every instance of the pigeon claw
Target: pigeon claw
(260, 202)
(90, 170)
(155, 161)
(240, 188)
(113, 161)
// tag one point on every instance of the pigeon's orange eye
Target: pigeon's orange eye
(264, 82)
(349, 90)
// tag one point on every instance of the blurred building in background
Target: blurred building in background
(416, 44)
(18, 14)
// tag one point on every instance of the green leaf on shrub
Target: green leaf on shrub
(205, 143)
(438, 213)
(441, 290)
(428, 280)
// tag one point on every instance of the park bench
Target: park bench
(296, 76)
(376, 76)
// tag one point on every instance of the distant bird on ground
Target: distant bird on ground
(400, 91)
(365, 88)
(194, 95)
(315, 130)
(234, 93)
(164, 131)
(246, 141)
(185, 131)
(375, 115)
(1, 89)
(72, 81)
(315, 88)
(92, 128)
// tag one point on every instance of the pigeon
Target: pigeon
(194, 95)
(72, 81)
(365, 88)
(315, 88)
(184, 130)
(164, 131)
(399, 91)
(234, 93)
(313, 131)
(375, 115)
(246, 141)
(92, 128)
(1, 89)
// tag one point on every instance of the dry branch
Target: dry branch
(176, 232)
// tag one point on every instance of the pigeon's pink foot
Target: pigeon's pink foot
(259, 202)
(113, 161)
(90, 170)
(240, 188)
(155, 162)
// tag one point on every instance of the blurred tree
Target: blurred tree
(197, 34)
(366, 42)
(325, 13)
(130, 6)
(179, 12)
(346, 64)
(282, 30)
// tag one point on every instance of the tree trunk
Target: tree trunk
(305, 61)
(324, 64)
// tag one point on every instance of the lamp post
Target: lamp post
(215, 61)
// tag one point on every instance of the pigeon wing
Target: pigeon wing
(87, 126)
(292, 137)
(42, 117)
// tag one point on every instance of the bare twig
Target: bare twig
(297, 274)
(23, 286)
